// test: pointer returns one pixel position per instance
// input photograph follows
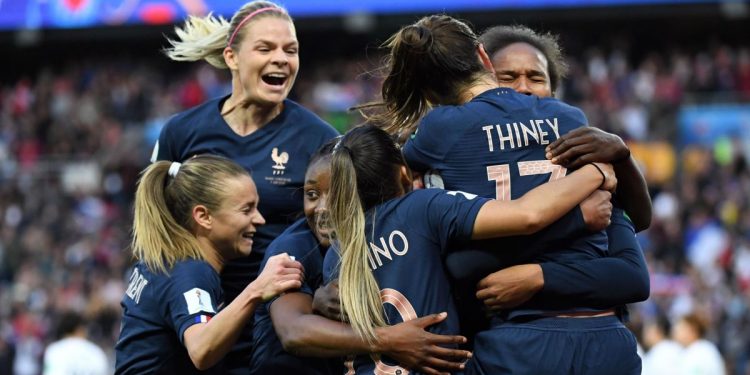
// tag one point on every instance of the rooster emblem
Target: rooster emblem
(280, 160)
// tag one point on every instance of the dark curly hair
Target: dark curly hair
(496, 38)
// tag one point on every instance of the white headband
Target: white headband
(174, 168)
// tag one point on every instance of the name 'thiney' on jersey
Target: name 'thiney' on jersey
(520, 134)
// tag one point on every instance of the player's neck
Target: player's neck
(484, 83)
(210, 253)
(246, 117)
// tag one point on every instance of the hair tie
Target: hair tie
(421, 40)
(249, 16)
(174, 168)
(337, 146)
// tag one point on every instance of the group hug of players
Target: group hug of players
(512, 260)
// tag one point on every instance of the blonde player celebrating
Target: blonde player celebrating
(256, 125)
(190, 219)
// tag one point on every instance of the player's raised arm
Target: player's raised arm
(209, 342)
(542, 205)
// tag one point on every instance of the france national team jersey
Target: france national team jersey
(157, 309)
(276, 155)
(407, 237)
(269, 356)
(494, 146)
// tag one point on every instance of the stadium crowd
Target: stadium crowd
(73, 139)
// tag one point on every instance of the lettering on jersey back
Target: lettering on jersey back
(397, 245)
(521, 134)
(135, 288)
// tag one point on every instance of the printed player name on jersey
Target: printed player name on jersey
(136, 285)
(521, 134)
(397, 244)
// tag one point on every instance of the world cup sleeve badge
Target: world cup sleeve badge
(198, 300)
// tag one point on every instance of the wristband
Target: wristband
(604, 177)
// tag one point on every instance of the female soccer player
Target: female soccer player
(255, 125)
(532, 63)
(190, 219)
(289, 337)
(491, 141)
(392, 241)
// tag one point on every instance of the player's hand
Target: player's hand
(511, 286)
(415, 348)
(587, 145)
(597, 210)
(326, 301)
(610, 179)
(280, 274)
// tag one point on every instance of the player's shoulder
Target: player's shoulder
(297, 240)
(195, 116)
(184, 276)
(555, 105)
(191, 269)
(418, 200)
(298, 116)
(444, 115)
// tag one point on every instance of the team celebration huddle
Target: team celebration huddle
(473, 224)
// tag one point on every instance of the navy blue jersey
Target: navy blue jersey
(331, 264)
(591, 283)
(269, 356)
(157, 309)
(494, 146)
(407, 237)
(276, 155)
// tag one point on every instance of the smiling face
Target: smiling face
(266, 61)
(523, 68)
(234, 223)
(317, 182)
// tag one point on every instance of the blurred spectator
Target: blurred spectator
(662, 353)
(73, 353)
(699, 357)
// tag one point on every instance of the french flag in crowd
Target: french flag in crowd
(202, 318)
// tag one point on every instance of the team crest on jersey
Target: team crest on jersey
(280, 160)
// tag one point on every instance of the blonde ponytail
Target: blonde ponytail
(201, 38)
(163, 222)
(205, 38)
(359, 291)
(158, 240)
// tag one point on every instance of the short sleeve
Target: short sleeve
(164, 148)
(304, 251)
(451, 215)
(193, 295)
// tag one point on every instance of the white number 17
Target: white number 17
(501, 174)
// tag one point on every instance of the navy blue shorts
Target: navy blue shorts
(559, 346)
